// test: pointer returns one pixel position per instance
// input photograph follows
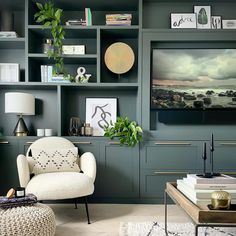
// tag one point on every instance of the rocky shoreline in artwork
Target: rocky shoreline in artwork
(168, 99)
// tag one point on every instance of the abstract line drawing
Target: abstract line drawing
(100, 112)
(103, 122)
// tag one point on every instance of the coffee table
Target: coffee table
(200, 216)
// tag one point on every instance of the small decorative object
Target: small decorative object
(7, 20)
(212, 149)
(11, 193)
(82, 130)
(183, 20)
(216, 22)
(21, 104)
(100, 112)
(88, 131)
(48, 132)
(48, 46)
(229, 24)
(20, 192)
(220, 200)
(119, 58)
(128, 132)
(203, 14)
(74, 126)
(204, 157)
(81, 77)
(73, 49)
(9, 72)
(40, 132)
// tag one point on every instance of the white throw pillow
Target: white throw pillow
(55, 160)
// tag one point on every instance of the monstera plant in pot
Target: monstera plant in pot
(128, 132)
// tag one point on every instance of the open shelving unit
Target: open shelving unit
(68, 100)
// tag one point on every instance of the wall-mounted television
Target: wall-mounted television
(185, 79)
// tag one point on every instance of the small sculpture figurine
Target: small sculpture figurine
(81, 77)
(74, 126)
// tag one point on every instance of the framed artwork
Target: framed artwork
(100, 112)
(229, 24)
(203, 14)
(216, 22)
(183, 20)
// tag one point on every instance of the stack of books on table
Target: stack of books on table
(118, 19)
(199, 190)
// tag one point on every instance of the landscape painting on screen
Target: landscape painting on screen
(193, 79)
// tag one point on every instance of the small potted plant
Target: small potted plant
(50, 16)
(128, 132)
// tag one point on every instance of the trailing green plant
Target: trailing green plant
(128, 132)
(50, 16)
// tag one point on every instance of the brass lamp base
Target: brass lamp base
(21, 128)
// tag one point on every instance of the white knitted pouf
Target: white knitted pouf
(35, 220)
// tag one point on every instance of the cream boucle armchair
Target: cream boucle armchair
(57, 185)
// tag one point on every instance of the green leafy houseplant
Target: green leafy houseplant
(50, 16)
(128, 132)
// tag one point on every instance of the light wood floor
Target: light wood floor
(106, 218)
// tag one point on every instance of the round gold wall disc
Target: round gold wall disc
(119, 58)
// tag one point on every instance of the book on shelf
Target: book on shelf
(88, 17)
(118, 22)
(9, 72)
(201, 193)
(223, 179)
(210, 186)
(76, 22)
(8, 34)
(118, 17)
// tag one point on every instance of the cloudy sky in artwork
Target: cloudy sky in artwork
(194, 67)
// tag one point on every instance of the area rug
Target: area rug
(174, 229)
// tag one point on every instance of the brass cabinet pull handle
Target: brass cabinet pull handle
(30, 142)
(4, 142)
(170, 173)
(82, 142)
(228, 144)
(229, 173)
(114, 143)
(172, 143)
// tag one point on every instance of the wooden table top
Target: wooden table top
(199, 214)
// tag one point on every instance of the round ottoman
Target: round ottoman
(32, 220)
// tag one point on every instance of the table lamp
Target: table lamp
(21, 104)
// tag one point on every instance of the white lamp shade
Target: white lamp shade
(20, 103)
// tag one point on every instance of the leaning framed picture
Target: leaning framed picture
(183, 20)
(100, 112)
(203, 14)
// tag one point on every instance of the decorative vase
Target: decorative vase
(220, 200)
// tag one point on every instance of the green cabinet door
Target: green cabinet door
(225, 156)
(119, 170)
(166, 161)
(8, 173)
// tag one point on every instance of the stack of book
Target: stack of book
(81, 22)
(8, 34)
(199, 190)
(118, 19)
(47, 75)
(75, 22)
